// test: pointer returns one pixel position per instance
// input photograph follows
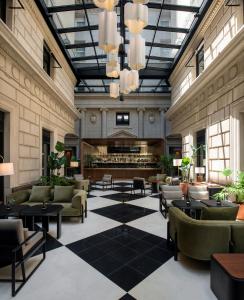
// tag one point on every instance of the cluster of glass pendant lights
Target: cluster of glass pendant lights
(135, 18)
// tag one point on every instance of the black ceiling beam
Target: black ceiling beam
(71, 7)
(143, 92)
(198, 19)
(107, 85)
(102, 56)
(87, 45)
(95, 27)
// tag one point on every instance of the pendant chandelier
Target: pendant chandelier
(113, 59)
(113, 71)
(136, 53)
(108, 35)
(114, 90)
(133, 80)
(106, 4)
(136, 17)
(124, 82)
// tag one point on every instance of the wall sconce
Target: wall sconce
(93, 118)
(151, 118)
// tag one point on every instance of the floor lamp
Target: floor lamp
(6, 169)
(177, 163)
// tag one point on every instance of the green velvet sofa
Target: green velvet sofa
(199, 239)
(73, 206)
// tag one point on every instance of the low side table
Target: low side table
(213, 203)
(194, 206)
(52, 210)
(227, 276)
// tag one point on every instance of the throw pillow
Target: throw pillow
(63, 193)
(219, 213)
(40, 193)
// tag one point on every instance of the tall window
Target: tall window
(46, 59)
(201, 154)
(3, 10)
(1, 153)
(45, 151)
(122, 118)
(200, 61)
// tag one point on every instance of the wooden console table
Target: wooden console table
(227, 276)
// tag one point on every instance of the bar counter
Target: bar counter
(120, 173)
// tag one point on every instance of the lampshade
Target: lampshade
(74, 164)
(141, 1)
(136, 53)
(136, 17)
(113, 72)
(114, 90)
(113, 59)
(108, 35)
(6, 169)
(133, 80)
(106, 4)
(199, 170)
(124, 81)
(177, 162)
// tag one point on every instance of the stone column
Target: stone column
(141, 122)
(83, 122)
(162, 123)
(104, 122)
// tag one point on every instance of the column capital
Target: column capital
(82, 110)
(104, 109)
(163, 109)
(141, 109)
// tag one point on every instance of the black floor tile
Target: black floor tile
(145, 265)
(155, 196)
(51, 244)
(159, 254)
(122, 189)
(106, 264)
(123, 212)
(127, 297)
(124, 254)
(122, 183)
(91, 254)
(126, 278)
(91, 196)
(123, 197)
(140, 246)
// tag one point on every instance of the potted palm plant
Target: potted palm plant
(233, 191)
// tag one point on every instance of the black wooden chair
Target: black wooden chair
(168, 194)
(139, 184)
(17, 245)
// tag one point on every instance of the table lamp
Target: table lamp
(74, 164)
(6, 169)
(199, 171)
(177, 163)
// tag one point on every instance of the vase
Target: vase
(184, 188)
(240, 214)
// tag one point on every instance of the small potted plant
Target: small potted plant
(185, 171)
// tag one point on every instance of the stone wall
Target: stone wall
(215, 102)
(98, 116)
(30, 98)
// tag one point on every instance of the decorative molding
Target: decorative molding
(25, 70)
(210, 84)
(122, 134)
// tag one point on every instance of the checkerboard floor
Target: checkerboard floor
(119, 252)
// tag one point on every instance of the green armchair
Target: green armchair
(199, 239)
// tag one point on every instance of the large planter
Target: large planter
(184, 187)
(240, 214)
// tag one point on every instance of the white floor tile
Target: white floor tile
(98, 202)
(63, 276)
(154, 223)
(176, 280)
